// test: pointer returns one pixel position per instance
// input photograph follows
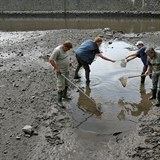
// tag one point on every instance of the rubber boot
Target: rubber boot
(154, 92)
(76, 76)
(87, 77)
(143, 79)
(59, 100)
(64, 95)
(158, 99)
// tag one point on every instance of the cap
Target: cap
(139, 42)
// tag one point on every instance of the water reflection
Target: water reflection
(135, 109)
(127, 25)
(121, 106)
(88, 105)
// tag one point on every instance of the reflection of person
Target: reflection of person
(85, 55)
(87, 104)
(154, 65)
(137, 109)
(60, 61)
(140, 54)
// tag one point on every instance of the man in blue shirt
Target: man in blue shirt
(85, 55)
(140, 54)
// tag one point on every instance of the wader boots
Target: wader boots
(143, 79)
(154, 92)
(64, 94)
(158, 99)
(59, 99)
(87, 76)
(76, 76)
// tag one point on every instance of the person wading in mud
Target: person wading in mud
(140, 54)
(85, 55)
(154, 65)
(60, 61)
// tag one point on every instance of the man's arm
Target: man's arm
(55, 66)
(149, 68)
(131, 57)
(105, 58)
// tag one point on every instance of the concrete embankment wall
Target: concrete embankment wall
(79, 5)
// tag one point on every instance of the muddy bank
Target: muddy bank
(28, 95)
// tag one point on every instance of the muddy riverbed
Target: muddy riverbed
(126, 126)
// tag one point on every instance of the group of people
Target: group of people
(85, 55)
(151, 66)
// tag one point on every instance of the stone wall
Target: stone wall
(80, 5)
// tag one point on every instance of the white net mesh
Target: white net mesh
(123, 81)
(123, 63)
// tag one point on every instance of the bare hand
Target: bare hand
(146, 73)
(58, 72)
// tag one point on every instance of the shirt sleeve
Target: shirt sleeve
(139, 52)
(54, 55)
(97, 51)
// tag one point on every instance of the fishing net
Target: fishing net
(123, 63)
(123, 81)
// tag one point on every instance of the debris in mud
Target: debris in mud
(116, 133)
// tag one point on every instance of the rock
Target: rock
(35, 133)
(28, 129)
(18, 137)
(27, 135)
(15, 85)
(33, 97)
(106, 29)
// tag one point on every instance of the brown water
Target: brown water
(117, 108)
(121, 24)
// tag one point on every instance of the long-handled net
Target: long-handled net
(124, 79)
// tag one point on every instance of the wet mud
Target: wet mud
(28, 97)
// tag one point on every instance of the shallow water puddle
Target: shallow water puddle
(117, 108)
